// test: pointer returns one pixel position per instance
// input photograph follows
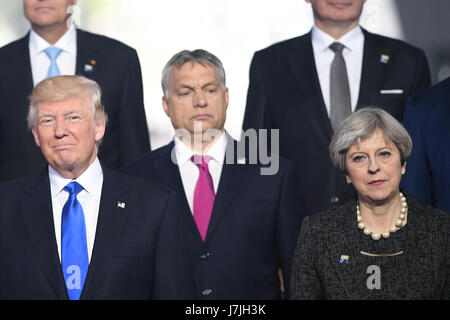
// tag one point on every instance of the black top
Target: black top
(421, 271)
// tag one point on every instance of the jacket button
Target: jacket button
(207, 292)
(334, 199)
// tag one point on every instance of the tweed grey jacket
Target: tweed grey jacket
(328, 263)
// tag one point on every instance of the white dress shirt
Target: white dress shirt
(189, 171)
(353, 56)
(66, 60)
(91, 180)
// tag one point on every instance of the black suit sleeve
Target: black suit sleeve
(292, 211)
(133, 133)
(422, 78)
(417, 179)
(255, 111)
(305, 282)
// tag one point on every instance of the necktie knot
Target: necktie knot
(201, 161)
(73, 188)
(53, 52)
(337, 47)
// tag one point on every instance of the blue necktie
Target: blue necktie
(74, 255)
(53, 53)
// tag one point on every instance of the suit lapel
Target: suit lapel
(347, 244)
(303, 66)
(36, 206)
(111, 222)
(229, 184)
(169, 175)
(373, 70)
(87, 58)
(21, 78)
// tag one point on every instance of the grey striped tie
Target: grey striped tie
(340, 102)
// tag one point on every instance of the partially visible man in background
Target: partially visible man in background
(307, 85)
(55, 47)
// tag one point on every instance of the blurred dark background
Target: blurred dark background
(426, 24)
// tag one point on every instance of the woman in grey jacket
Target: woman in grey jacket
(384, 244)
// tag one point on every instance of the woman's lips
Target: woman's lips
(376, 182)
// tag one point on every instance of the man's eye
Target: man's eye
(46, 122)
(73, 117)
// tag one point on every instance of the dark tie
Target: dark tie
(74, 255)
(203, 195)
(53, 53)
(340, 102)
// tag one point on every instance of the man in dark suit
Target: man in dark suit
(77, 230)
(110, 63)
(295, 85)
(427, 119)
(237, 226)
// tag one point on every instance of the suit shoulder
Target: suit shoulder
(393, 44)
(101, 41)
(428, 217)
(144, 165)
(331, 219)
(138, 183)
(283, 45)
(13, 46)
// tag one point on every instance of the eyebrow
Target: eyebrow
(211, 83)
(49, 114)
(354, 152)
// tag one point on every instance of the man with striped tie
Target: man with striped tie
(76, 230)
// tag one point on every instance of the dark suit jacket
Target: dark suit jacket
(253, 230)
(421, 272)
(118, 73)
(284, 93)
(427, 119)
(122, 264)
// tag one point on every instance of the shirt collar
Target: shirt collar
(352, 40)
(216, 152)
(91, 180)
(68, 42)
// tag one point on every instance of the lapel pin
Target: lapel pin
(88, 68)
(344, 259)
(120, 204)
(241, 160)
(384, 58)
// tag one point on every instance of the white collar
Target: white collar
(351, 40)
(68, 42)
(91, 179)
(217, 150)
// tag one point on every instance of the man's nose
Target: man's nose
(200, 100)
(60, 128)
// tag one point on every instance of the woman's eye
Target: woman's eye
(385, 153)
(358, 158)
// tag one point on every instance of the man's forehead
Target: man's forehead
(78, 103)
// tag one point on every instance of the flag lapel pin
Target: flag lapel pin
(344, 259)
(384, 58)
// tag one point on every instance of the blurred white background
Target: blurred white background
(231, 29)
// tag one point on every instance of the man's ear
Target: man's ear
(36, 137)
(165, 104)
